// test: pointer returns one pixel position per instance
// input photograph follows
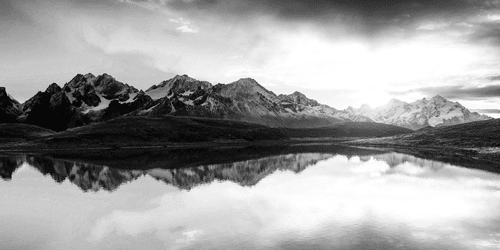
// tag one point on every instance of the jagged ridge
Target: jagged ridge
(86, 99)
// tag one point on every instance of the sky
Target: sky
(340, 52)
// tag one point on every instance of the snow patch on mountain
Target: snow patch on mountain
(179, 84)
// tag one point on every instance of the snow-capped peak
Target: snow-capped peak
(438, 111)
(184, 78)
(395, 102)
(439, 99)
(178, 84)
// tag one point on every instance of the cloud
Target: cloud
(367, 17)
(185, 25)
(462, 92)
(487, 111)
(494, 78)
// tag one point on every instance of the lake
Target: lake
(319, 197)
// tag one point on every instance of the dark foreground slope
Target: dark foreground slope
(169, 130)
(474, 140)
(149, 131)
(18, 132)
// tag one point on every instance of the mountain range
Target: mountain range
(87, 99)
(435, 112)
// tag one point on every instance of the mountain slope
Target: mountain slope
(435, 112)
(10, 109)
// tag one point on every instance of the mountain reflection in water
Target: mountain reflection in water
(94, 177)
(245, 198)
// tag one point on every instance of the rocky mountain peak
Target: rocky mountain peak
(395, 101)
(89, 75)
(6, 98)
(3, 92)
(53, 88)
(248, 83)
(298, 95)
(299, 98)
(81, 80)
(10, 109)
(247, 80)
(177, 85)
(438, 98)
(184, 77)
(247, 89)
(103, 79)
(365, 107)
(110, 88)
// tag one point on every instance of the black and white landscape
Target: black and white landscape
(238, 124)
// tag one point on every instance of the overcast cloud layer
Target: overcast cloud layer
(344, 52)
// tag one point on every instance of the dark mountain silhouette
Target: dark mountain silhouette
(10, 109)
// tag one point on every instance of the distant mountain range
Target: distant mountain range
(87, 99)
(435, 112)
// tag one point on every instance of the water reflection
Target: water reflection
(330, 198)
(93, 177)
(89, 177)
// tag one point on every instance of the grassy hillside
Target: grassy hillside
(130, 131)
(474, 140)
(15, 132)
(349, 129)
(467, 135)
(169, 130)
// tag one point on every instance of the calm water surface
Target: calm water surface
(308, 200)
